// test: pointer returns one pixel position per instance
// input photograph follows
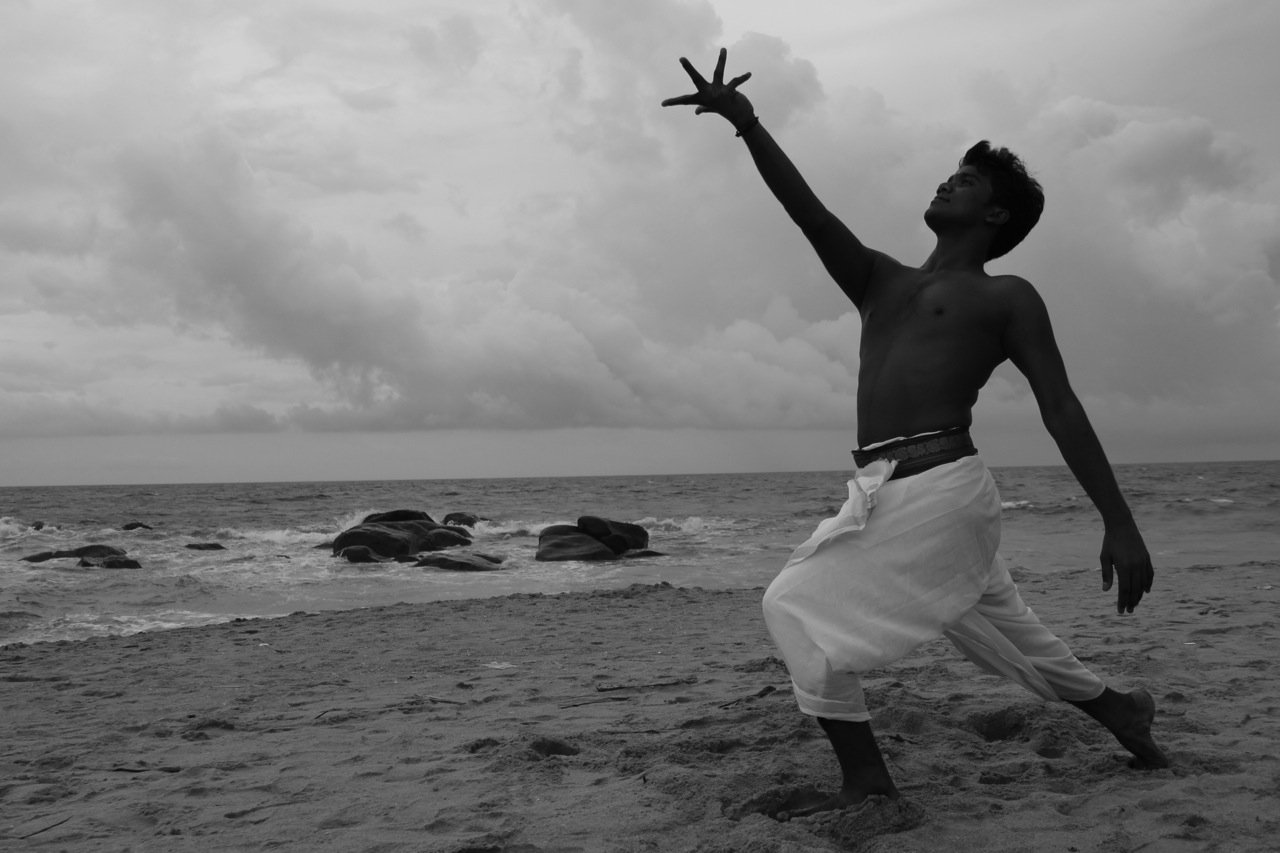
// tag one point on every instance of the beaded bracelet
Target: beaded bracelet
(755, 120)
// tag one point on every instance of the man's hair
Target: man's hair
(1012, 188)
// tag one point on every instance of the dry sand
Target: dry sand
(648, 719)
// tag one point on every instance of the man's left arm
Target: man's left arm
(1031, 346)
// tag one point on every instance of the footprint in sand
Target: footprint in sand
(848, 827)
(852, 827)
(777, 803)
(1002, 724)
(546, 747)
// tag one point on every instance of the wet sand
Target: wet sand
(648, 719)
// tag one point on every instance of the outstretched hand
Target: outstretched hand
(1125, 555)
(717, 96)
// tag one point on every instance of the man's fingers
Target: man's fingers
(1124, 596)
(707, 93)
(698, 79)
(1107, 573)
(1135, 595)
(1142, 582)
(683, 100)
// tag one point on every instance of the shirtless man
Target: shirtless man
(931, 337)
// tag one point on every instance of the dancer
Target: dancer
(912, 555)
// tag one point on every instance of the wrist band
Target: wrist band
(755, 120)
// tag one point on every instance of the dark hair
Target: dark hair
(1012, 188)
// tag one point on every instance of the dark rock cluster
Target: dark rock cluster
(409, 535)
(593, 538)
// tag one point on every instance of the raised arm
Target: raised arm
(848, 261)
(1031, 347)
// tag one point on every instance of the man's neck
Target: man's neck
(957, 254)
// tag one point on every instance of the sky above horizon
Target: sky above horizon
(329, 240)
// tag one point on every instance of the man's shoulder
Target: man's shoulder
(1011, 283)
(1014, 291)
(1018, 301)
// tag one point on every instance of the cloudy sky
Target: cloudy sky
(322, 239)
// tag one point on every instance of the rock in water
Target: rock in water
(618, 535)
(593, 538)
(567, 542)
(88, 552)
(463, 519)
(360, 554)
(398, 515)
(461, 562)
(108, 563)
(401, 538)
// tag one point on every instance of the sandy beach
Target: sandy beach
(653, 718)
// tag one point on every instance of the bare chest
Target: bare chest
(931, 307)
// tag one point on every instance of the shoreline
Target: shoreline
(649, 717)
(1020, 573)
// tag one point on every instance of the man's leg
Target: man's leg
(1002, 635)
(862, 769)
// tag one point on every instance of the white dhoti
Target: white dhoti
(905, 562)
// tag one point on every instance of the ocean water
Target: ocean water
(715, 531)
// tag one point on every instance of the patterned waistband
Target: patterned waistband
(915, 455)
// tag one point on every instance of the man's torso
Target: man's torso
(930, 341)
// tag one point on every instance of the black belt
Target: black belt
(915, 455)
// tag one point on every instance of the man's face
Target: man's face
(966, 195)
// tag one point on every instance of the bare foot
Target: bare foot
(1135, 734)
(1128, 716)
